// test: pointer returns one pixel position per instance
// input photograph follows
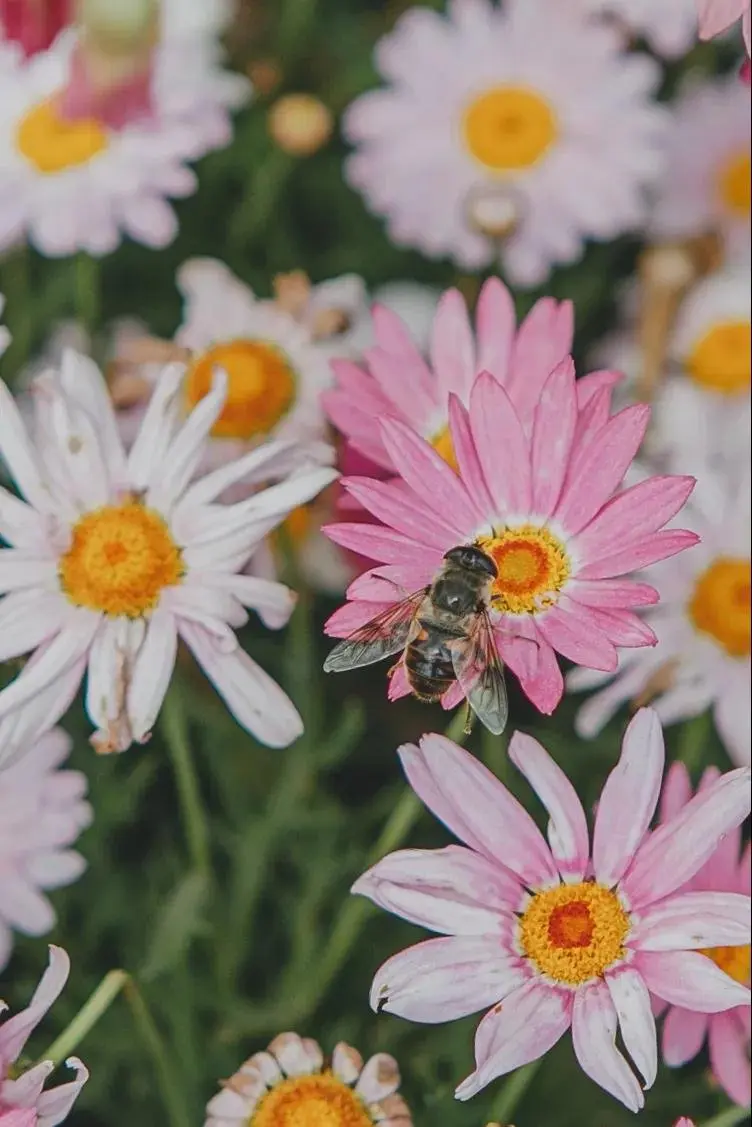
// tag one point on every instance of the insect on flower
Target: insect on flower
(445, 633)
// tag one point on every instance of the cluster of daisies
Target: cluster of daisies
(139, 512)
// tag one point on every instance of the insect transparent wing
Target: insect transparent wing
(383, 636)
(481, 675)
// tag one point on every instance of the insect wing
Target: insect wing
(481, 675)
(383, 636)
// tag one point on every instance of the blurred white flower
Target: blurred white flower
(42, 812)
(670, 26)
(513, 134)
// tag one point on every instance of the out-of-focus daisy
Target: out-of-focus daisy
(291, 1083)
(685, 1029)
(73, 182)
(669, 27)
(542, 506)
(706, 184)
(114, 556)
(42, 812)
(398, 382)
(558, 934)
(492, 131)
(718, 15)
(702, 659)
(23, 1102)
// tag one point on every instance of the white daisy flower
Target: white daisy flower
(112, 557)
(670, 27)
(42, 812)
(72, 185)
(702, 622)
(491, 129)
(706, 185)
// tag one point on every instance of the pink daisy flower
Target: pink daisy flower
(717, 15)
(558, 934)
(23, 1103)
(397, 381)
(685, 1029)
(538, 498)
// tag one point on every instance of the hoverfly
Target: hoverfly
(445, 634)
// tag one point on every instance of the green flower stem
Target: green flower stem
(175, 732)
(87, 291)
(87, 1017)
(513, 1091)
(171, 1089)
(728, 1118)
(695, 735)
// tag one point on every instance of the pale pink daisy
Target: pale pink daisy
(717, 15)
(495, 141)
(670, 27)
(42, 812)
(702, 659)
(398, 382)
(685, 1029)
(292, 1083)
(115, 556)
(540, 499)
(23, 1102)
(558, 934)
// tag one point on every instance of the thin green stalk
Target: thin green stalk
(171, 1090)
(514, 1089)
(728, 1118)
(695, 734)
(87, 1017)
(194, 816)
(88, 291)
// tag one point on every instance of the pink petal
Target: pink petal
(351, 617)
(657, 546)
(677, 790)
(589, 385)
(716, 15)
(573, 632)
(693, 920)
(567, 827)
(475, 806)
(594, 1025)
(683, 1034)
(639, 510)
(445, 979)
(15, 1031)
(676, 850)
(729, 1057)
(53, 1106)
(495, 322)
(592, 417)
(631, 1000)
(394, 337)
(376, 542)
(690, 980)
(399, 510)
(452, 348)
(523, 1028)
(536, 666)
(501, 445)
(399, 686)
(553, 433)
(544, 339)
(427, 474)
(466, 454)
(407, 397)
(612, 593)
(623, 628)
(453, 890)
(600, 471)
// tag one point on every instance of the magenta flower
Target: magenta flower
(23, 1103)
(540, 501)
(717, 15)
(685, 1028)
(397, 381)
(553, 935)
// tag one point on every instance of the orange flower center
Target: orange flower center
(311, 1101)
(261, 386)
(508, 128)
(574, 932)
(442, 444)
(532, 567)
(720, 361)
(52, 144)
(735, 961)
(734, 185)
(720, 604)
(120, 559)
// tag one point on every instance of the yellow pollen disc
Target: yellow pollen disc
(735, 961)
(311, 1101)
(261, 386)
(734, 185)
(533, 566)
(574, 932)
(509, 127)
(720, 604)
(294, 530)
(442, 444)
(720, 361)
(120, 559)
(53, 144)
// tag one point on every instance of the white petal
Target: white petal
(631, 999)
(152, 672)
(155, 433)
(594, 1038)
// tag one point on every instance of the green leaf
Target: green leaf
(181, 919)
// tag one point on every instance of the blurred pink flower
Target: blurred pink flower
(34, 24)
(23, 1103)
(42, 812)
(685, 1029)
(397, 382)
(560, 934)
(535, 490)
(717, 15)
(684, 1122)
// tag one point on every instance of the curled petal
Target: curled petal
(594, 1024)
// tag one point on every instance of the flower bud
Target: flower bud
(300, 124)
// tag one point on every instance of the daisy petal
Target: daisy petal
(427, 474)
(553, 432)
(53, 1107)
(501, 445)
(466, 454)
(631, 1000)
(683, 1035)
(151, 673)
(594, 1025)
(495, 324)
(452, 349)
(633, 514)
(690, 980)
(729, 1057)
(692, 920)
(15, 1031)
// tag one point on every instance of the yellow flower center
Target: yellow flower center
(311, 1101)
(734, 185)
(294, 530)
(120, 560)
(442, 444)
(532, 567)
(735, 961)
(574, 932)
(720, 361)
(509, 127)
(720, 604)
(53, 144)
(261, 386)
